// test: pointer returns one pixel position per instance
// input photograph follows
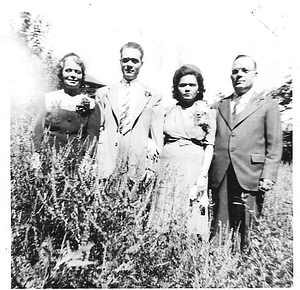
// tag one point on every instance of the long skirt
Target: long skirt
(180, 167)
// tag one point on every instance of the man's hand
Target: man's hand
(152, 152)
(265, 184)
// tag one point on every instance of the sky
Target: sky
(208, 34)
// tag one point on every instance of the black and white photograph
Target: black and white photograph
(149, 144)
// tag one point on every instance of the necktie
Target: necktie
(125, 120)
(234, 112)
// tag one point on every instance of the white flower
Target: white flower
(85, 106)
(201, 115)
(92, 101)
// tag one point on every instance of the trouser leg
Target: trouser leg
(248, 209)
(244, 207)
(234, 204)
(220, 208)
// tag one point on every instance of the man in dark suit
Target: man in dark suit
(248, 149)
(133, 119)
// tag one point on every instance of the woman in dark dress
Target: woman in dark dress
(68, 115)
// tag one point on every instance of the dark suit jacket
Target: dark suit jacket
(147, 122)
(253, 144)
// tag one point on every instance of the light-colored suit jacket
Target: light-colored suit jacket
(147, 121)
(253, 144)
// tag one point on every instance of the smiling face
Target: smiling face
(243, 75)
(188, 89)
(131, 62)
(72, 74)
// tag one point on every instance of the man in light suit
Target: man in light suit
(248, 150)
(132, 133)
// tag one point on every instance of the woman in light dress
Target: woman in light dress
(189, 131)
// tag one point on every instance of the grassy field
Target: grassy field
(70, 232)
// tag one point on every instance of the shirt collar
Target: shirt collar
(124, 82)
(243, 97)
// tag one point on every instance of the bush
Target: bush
(70, 231)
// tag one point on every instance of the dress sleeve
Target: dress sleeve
(157, 121)
(100, 100)
(210, 137)
(38, 131)
(93, 126)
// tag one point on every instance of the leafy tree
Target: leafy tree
(284, 94)
(34, 31)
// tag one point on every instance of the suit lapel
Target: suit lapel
(141, 98)
(225, 112)
(250, 107)
(113, 98)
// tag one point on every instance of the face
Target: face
(188, 89)
(243, 75)
(72, 74)
(131, 63)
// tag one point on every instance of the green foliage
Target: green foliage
(34, 31)
(284, 94)
(70, 231)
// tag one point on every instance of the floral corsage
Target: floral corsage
(201, 115)
(85, 107)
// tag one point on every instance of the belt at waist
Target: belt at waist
(184, 141)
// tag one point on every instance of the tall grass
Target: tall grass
(70, 231)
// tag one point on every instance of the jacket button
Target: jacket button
(231, 149)
(69, 119)
(232, 135)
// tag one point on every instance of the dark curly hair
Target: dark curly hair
(188, 69)
(61, 65)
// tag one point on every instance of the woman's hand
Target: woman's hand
(193, 194)
(152, 152)
(198, 195)
(202, 183)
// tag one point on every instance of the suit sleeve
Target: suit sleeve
(157, 121)
(273, 136)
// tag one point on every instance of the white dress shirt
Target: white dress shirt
(243, 101)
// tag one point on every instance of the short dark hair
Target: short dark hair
(77, 59)
(188, 70)
(245, 55)
(135, 45)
